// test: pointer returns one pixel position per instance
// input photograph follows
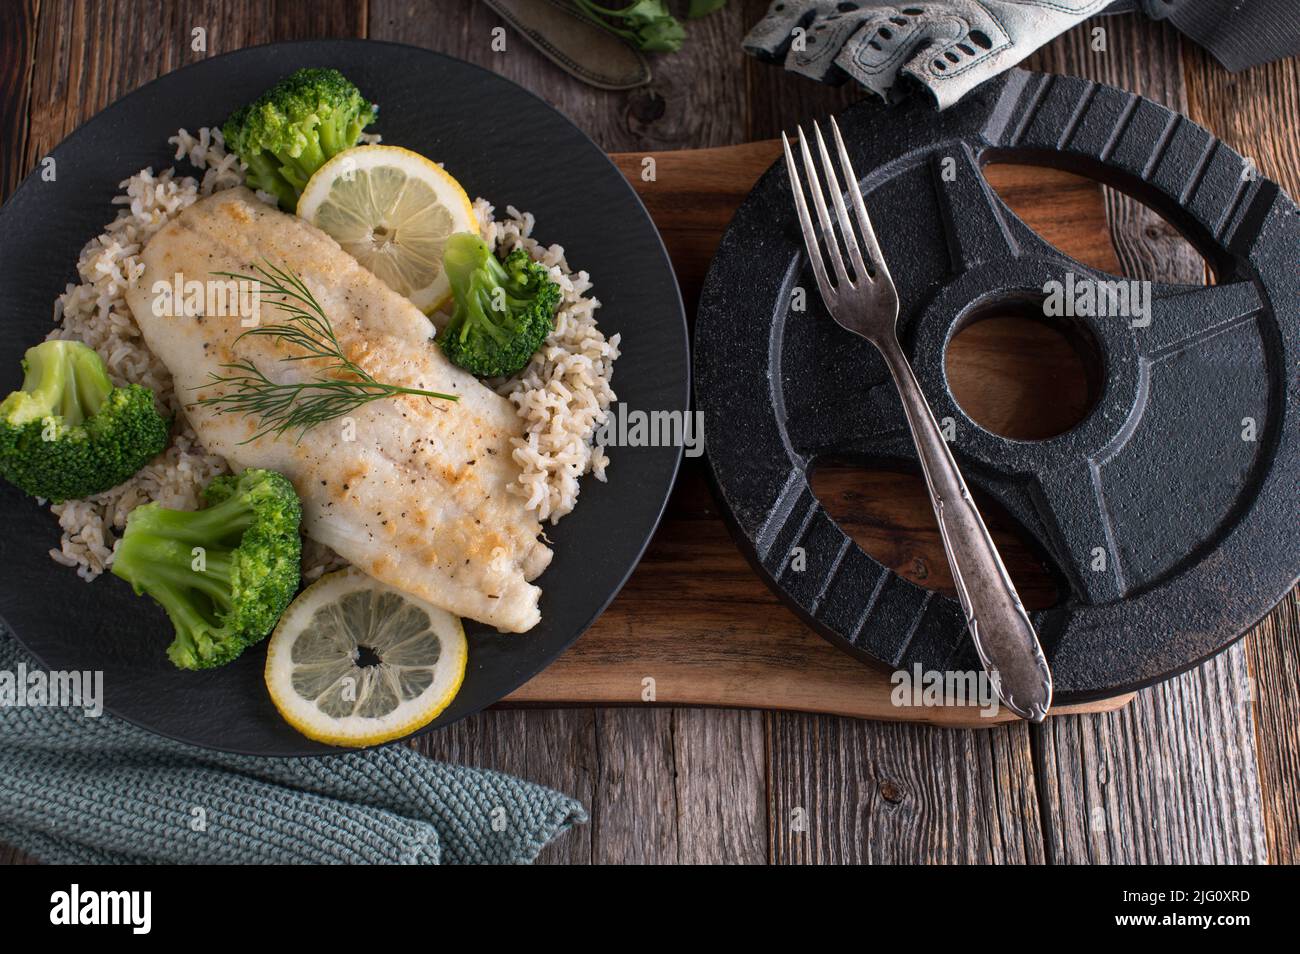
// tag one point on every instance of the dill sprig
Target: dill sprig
(301, 405)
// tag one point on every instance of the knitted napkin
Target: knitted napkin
(80, 789)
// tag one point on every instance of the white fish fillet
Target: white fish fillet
(418, 498)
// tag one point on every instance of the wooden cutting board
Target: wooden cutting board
(694, 625)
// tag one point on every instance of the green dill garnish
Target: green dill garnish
(301, 405)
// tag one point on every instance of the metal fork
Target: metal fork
(866, 303)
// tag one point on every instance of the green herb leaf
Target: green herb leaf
(702, 8)
(646, 24)
(283, 407)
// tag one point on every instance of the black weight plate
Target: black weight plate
(1198, 526)
(503, 143)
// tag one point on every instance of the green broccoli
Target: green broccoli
(294, 128)
(69, 432)
(224, 574)
(503, 310)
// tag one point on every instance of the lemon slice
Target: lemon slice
(392, 210)
(356, 662)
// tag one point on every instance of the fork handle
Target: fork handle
(999, 626)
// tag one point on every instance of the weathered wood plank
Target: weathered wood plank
(17, 48)
(1273, 653)
(1257, 112)
(12, 856)
(721, 764)
(89, 54)
(869, 793)
(661, 785)
(634, 807)
(1167, 779)
(1173, 777)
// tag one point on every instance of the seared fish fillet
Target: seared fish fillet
(412, 490)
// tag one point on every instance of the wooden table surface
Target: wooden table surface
(1203, 768)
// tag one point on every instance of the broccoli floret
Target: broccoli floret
(294, 128)
(69, 432)
(224, 574)
(503, 310)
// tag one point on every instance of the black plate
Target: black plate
(502, 143)
(1197, 525)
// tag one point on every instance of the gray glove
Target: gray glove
(949, 46)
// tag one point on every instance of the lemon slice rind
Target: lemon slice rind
(392, 210)
(325, 656)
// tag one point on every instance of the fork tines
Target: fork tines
(864, 268)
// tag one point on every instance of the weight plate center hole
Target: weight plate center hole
(1020, 374)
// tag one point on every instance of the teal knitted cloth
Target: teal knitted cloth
(81, 790)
